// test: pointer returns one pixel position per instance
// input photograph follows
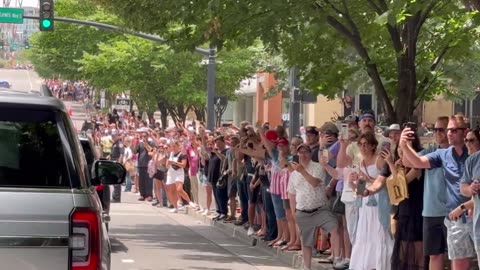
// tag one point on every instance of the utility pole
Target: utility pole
(294, 85)
(211, 89)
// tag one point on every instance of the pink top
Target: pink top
(192, 158)
(279, 183)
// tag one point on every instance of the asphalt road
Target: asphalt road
(22, 80)
(149, 238)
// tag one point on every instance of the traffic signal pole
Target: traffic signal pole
(210, 53)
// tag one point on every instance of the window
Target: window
(31, 150)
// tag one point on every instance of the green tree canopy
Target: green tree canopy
(55, 53)
(400, 47)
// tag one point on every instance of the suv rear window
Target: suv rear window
(31, 150)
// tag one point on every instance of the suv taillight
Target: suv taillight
(85, 240)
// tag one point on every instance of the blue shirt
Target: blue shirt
(435, 191)
(472, 172)
(453, 167)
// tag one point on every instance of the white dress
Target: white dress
(373, 245)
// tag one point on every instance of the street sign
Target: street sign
(11, 15)
(122, 104)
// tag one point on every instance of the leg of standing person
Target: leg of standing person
(243, 197)
(142, 176)
(215, 196)
(194, 189)
(272, 230)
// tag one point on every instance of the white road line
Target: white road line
(128, 261)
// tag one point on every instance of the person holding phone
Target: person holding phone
(373, 244)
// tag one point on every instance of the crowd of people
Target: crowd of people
(69, 90)
(370, 200)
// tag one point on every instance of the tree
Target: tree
(400, 46)
(55, 53)
(158, 76)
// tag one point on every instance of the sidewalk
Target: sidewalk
(290, 258)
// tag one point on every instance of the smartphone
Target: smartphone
(295, 158)
(386, 146)
(325, 153)
(344, 131)
(361, 186)
(412, 126)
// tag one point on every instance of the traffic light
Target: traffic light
(26, 45)
(1, 44)
(46, 15)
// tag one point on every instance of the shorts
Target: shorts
(309, 222)
(460, 239)
(278, 206)
(254, 196)
(232, 186)
(174, 176)
(434, 236)
(159, 175)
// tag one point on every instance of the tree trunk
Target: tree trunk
(163, 114)
(407, 73)
(199, 113)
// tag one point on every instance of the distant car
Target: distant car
(5, 84)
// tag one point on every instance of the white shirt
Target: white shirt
(307, 196)
(128, 154)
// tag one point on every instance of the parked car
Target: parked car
(91, 155)
(52, 217)
(5, 84)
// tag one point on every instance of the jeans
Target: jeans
(117, 192)
(221, 199)
(272, 229)
(128, 183)
(242, 187)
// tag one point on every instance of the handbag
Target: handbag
(397, 187)
(223, 181)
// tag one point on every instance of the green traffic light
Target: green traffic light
(46, 23)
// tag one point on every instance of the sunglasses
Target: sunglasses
(454, 130)
(469, 140)
(439, 130)
(363, 144)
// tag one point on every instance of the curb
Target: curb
(290, 258)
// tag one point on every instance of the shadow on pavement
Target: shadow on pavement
(117, 245)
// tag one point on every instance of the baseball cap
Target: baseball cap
(271, 135)
(329, 127)
(368, 114)
(282, 142)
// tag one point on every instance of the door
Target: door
(35, 192)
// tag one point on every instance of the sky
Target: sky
(26, 3)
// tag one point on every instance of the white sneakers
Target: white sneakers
(250, 231)
(206, 213)
(173, 210)
(341, 264)
(192, 204)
